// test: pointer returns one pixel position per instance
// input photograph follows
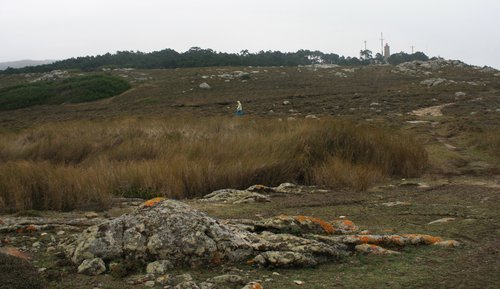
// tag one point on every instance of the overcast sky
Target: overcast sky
(468, 30)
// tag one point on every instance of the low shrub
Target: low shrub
(71, 90)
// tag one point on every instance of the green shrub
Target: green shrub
(71, 90)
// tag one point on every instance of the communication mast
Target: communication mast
(382, 43)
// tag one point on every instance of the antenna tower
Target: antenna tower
(412, 48)
(382, 43)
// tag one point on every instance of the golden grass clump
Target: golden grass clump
(82, 164)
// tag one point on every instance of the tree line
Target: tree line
(198, 57)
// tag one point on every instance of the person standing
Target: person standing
(239, 109)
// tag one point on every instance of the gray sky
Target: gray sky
(468, 30)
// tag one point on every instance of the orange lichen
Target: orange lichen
(348, 223)
(397, 240)
(152, 202)
(257, 286)
(426, 239)
(367, 239)
(327, 227)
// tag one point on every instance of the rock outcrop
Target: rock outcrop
(162, 230)
(165, 233)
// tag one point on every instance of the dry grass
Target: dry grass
(81, 164)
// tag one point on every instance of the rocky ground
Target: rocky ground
(274, 237)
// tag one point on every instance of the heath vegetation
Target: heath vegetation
(82, 164)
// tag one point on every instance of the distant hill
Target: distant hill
(198, 57)
(24, 63)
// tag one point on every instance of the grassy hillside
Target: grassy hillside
(168, 136)
(71, 90)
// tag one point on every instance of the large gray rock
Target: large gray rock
(166, 230)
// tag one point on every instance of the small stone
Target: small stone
(396, 203)
(137, 279)
(51, 249)
(159, 267)
(447, 244)
(91, 215)
(36, 245)
(298, 282)
(184, 278)
(204, 85)
(227, 279)
(59, 233)
(164, 280)
(92, 267)
(253, 285)
(374, 249)
(276, 274)
(206, 285)
(440, 221)
(187, 285)
(150, 284)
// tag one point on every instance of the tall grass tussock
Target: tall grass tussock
(82, 164)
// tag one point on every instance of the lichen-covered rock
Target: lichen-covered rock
(159, 267)
(284, 259)
(447, 244)
(304, 225)
(320, 251)
(227, 280)
(163, 230)
(92, 267)
(235, 197)
(373, 249)
(167, 233)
